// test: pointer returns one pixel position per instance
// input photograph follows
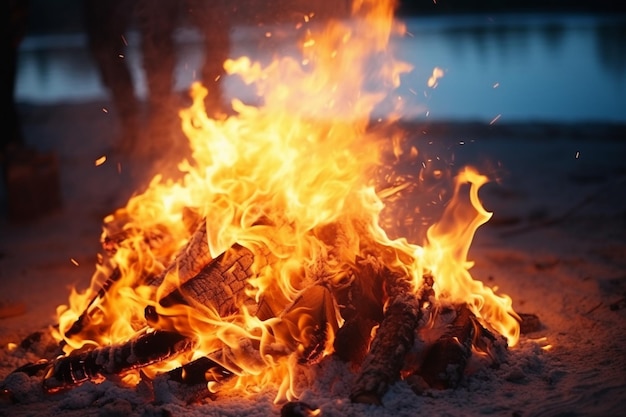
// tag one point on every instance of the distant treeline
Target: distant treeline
(427, 7)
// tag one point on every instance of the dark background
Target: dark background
(65, 15)
(497, 6)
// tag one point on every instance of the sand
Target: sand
(556, 245)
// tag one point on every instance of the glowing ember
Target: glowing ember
(286, 187)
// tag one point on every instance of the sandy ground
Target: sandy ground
(556, 245)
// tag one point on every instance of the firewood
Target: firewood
(199, 371)
(145, 349)
(529, 323)
(445, 360)
(299, 409)
(189, 260)
(361, 306)
(85, 316)
(307, 322)
(219, 285)
(393, 340)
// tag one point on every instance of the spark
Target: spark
(124, 40)
(496, 85)
(577, 154)
(121, 56)
(74, 262)
(437, 73)
(495, 119)
(412, 91)
(105, 110)
(101, 160)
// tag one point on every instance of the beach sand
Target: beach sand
(556, 244)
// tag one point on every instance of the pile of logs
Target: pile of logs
(371, 298)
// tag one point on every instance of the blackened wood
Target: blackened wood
(445, 361)
(199, 371)
(305, 324)
(142, 350)
(352, 340)
(220, 284)
(299, 409)
(394, 338)
(361, 306)
(529, 323)
(85, 316)
(189, 260)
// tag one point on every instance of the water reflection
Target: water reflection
(522, 67)
(610, 43)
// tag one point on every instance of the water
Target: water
(553, 68)
(559, 68)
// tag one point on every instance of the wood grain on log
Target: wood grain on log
(140, 351)
(189, 260)
(220, 284)
(394, 338)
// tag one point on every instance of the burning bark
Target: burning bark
(220, 284)
(143, 350)
(445, 360)
(393, 340)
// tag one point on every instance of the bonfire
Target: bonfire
(269, 253)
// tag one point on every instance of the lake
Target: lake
(555, 68)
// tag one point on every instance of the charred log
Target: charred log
(299, 409)
(142, 350)
(445, 361)
(190, 260)
(220, 285)
(307, 323)
(529, 323)
(85, 316)
(199, 371)
(361, 306)
(393, 340)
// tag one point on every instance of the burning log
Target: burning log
(394, 338)
(220, 284)
(85, 316)
(190, 259)
(199, 371)
(445, 360)
(361, 306)
(142, 350)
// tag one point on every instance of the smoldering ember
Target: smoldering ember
(271, 255)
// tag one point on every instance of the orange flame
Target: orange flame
(268, 180)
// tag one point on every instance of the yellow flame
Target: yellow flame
(270, 180)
